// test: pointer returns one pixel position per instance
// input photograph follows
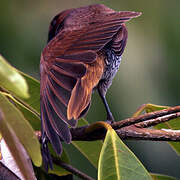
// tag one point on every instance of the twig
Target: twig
(71, 169)
(145, 117)
(153, 122)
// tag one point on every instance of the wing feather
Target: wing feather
(119, 41)
(58, 108)
(60, 127)
(62, 80)
(85, 57)
(71, 69)
(53, 137)
(60, 92)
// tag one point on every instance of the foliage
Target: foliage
(20, 118)
(116, 161)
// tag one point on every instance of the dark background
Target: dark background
(149, 72)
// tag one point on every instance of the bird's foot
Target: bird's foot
(110, 119)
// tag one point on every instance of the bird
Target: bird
(83, 54)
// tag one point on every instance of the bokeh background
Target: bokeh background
(149, 72)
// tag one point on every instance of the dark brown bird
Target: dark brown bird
(83, 53)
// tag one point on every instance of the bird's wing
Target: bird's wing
(63, 64)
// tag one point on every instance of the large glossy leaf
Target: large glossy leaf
(172, 124)
(91, 150)
(162, 177)
(117, 162)
(29, 107)
(15, 148)
(22, 129)
(11, 80)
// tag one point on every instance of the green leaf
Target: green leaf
(148, 108)
(34, 91)
(162, 177)
(32, 116)
(11, 80)
(117, 162)
(91, 150)
(30, 107)
(15, 148)
(22, 129)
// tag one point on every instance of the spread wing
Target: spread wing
(64, 64)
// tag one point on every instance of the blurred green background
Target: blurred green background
(149, 72)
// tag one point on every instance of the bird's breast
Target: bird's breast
(112, 62)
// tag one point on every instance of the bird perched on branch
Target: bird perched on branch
(83, 53)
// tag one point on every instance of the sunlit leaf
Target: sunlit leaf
(22, 129)
(117, 162)
(11, 80)
(162, 177)
(148, 108)
(31, 107)
(34, 91)
(32, 116)
(15, 148)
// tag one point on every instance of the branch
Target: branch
(134, 128)
(71, 169)
(145, 117)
